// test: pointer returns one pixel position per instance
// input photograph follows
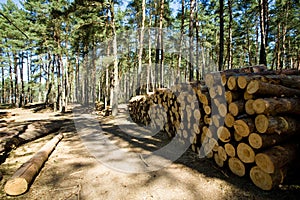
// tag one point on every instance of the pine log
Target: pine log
(242, 81)
(229, 120)
(206, 135)
(237, 137)
(245, 153)
(260, 141)
(248, 96)
(274, 106)
(222, 153)
(276, 124)
(244, 127)
(215, 78)
(4, 114)
(276, 157)
(222, 109)
(205, 98)
(260, 88)
(237, 107)
(249, 107)
(207, 109)
(22, 178)
(231, 96)
(223, 134)
(218, 160)
(232, 83)
(237, 166)
(291, 81)
(230, 150)
(266, 181)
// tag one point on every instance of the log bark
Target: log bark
(276, 157)
(267, 89)
(260, 141)
(22, 178)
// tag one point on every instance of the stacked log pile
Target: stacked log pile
(260, 122)
(244, 119)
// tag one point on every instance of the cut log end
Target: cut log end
(245, 153)
(229, 120)
(264, 162)
(259, 106)
(16, 186)
(255, 140)
(236, 166)
(253, 87)
(264, 180)
(229, 149)
(261, 123)
(243, 127)
(223, 134)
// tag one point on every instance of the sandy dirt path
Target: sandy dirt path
(72, 172)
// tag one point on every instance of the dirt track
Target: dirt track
(73, 173)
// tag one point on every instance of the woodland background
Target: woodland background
(49, 50)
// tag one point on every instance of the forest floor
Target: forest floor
(72, 172)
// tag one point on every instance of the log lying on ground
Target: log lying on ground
(22, 178)
(4, 114)
(266, 181)
(23, 133)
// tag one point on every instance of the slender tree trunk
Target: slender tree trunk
(116, 69)
(16, 92)
(263, 6)
(229, 45)
(149, 67)
(77, 81)
(3, 86)
(22, 81)
(180, 40)
(159, 47)
(198, 68)
(2, 81)
(221, 42)
(140, 53)
(191, 40)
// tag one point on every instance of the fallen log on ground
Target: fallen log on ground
(18, 184)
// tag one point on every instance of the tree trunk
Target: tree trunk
(141, 45)
(116, 69)
(191, 41)
(229, 44)
(263, 7)
(221, 38)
